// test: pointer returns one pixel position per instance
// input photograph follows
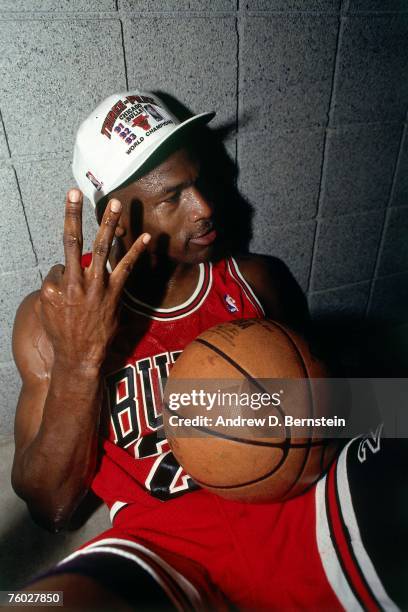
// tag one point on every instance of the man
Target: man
(94, 349)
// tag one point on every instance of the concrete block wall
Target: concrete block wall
(318, 90)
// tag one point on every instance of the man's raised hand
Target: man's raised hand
(79, 307)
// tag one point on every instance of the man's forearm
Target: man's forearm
(56, 469)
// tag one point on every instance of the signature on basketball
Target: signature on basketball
(229, 331)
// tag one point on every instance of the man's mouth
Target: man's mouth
(206, 238)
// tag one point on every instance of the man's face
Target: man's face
(169, 204)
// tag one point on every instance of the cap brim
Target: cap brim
(178, 131)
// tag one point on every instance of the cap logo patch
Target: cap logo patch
(119, 107)
(141, 121)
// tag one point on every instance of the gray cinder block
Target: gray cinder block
(287, 64)
(292, 5)
(16, 251)
(44, 186)
(4, 154)
(10, 383)
(293, 244)
(87, 65)
(192, 59)
(13, 288)
(394, 255)
(58, 5)
(178, 5)
(400, 195)
(346, 250)
(390, 299)
(372, 79)
(280, 173)
(360, 162)
(357, 6)
(346, 303)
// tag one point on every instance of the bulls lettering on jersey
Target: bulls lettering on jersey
(135, 395)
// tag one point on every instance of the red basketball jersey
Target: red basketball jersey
(136, 455)
(302, 554)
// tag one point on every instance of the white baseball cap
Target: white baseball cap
(119, 137)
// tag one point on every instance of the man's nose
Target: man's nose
(201, 207)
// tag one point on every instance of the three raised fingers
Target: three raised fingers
(73, 240)
(122, 270)
(73, 234)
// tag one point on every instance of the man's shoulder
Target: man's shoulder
(28, 311)
(254, 263)
(249, 261)
(275, 286)
(263, 272)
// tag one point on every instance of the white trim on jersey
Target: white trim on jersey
(327, 550)
(118, 505)
(246, 284)
(109, 545)
(175, 308)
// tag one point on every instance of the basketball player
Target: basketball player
(94, 347)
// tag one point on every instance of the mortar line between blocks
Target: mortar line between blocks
(124, 54)
(338, 287)
(386, 218)
(35, 157)
(5, 134)
(237, 88)
(25, 216)
(324, 152)
(109, 15)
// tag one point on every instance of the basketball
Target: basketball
(217, 443)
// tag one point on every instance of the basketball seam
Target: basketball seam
(236, 365)
(300, 356)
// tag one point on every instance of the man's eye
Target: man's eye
(173, 199)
